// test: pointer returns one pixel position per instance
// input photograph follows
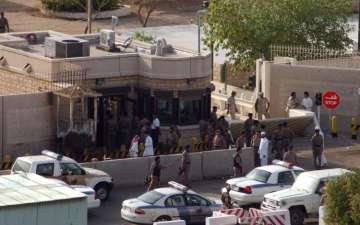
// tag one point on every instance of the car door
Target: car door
(314, 200)
(45, 169)
(198, 208)
(285, 179)
(72, 173)
(176, 206)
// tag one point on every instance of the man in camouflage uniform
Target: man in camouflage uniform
(262, 106)
(317, 147)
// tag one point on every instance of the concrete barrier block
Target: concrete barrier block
(218, 163)
(222, 220)
(174, 222)
(125, 172)
(248, 161)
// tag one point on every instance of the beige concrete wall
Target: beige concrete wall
(27, 123)
(284, 78)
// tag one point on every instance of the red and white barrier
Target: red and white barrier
(174, 222)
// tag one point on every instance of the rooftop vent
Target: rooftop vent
(63, 47)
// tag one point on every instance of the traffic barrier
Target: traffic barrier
(354, 128)
(222, 220)
(334, 127)
(174, 222)
(278, 217)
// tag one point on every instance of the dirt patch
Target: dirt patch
(19, 5)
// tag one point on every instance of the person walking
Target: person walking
(248, 126)
(148, 144)
(255, 143)
(262, 106)
(264, 149)
(277, 142)
(307, 102)
(317, 147)
(155, 131)
(287, 136)
(237, 163)
(292, 102)
(290, 156)
(4, 23)
(231, 105)
(219, 141)
(185, 165)
(155, 172)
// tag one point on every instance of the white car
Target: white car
(92, 202)
(169, 203)
(250, 190)
(303, 198)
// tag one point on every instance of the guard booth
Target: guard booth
(29, 199)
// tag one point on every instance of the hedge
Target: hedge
(76, 5)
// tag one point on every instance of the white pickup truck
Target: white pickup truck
(303, 198)
(52, 165)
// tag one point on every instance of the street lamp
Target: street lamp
(199, 13)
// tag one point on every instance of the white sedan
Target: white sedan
(250, 190)
(170, 203)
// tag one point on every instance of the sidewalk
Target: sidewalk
(340, 152)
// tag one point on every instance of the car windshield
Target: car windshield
(259, 175)
(151, 197)
(305, 183)
(21, 166)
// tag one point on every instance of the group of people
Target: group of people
(294, 103)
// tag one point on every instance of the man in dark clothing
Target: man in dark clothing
(237, 163)
(248, 126)
(4, 24)
(155, 172)
(287, 136)
(317, 147)
(277, 142)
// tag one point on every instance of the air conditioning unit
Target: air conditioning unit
(107, 38)
(64, 47)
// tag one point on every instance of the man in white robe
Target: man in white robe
(264, 149)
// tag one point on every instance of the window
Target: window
(175, 201)
(21, 166)
(70, 169)
(189, 111)
(285, 178)
(195, 200)
(164, 109)
(151, 197)
(46, 169)
(259, 175)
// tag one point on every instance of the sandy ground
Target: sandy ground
(24, 15)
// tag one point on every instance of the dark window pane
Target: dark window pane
(285, 178)
(164, 110)
(189, 111)
(46, 170)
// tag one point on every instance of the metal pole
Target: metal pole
(89, 15)
(318, 114)
(199, 32)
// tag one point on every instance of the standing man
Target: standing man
(155, 131)
(213, 114)
(262, 106)
(277, 142)
(290, 156)
(264, 149)
(307, 102)
(287, 136)
(219, 141)
(155, 171)
(317, 147)
(292, 102)
(148, 143)
(4, 24)
(255, 143)
(231, 105)
(185, 166)
(248, 125)
(237, 162)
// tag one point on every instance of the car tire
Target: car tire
(163, 218)
(297, 216)
(102, 191)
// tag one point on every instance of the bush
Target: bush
(343, 200)
(142, 36)
(78, 5)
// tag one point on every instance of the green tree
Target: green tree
(247, 28)
(343, 200)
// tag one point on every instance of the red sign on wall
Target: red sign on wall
(331, 100)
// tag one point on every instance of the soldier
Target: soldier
(155, 171)
(255, 143)
(317, 147)
(237, 163)
(248, 126)
(277, 142)
(290, 156)
(226, 199)
(287, 136)
(219, 141)
(231, 105)
(172, 139)
(262, 106)
(185, 165)
(292, 102)
(4, 24)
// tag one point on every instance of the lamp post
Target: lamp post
(199, 13)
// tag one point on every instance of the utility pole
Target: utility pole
(89, 15)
